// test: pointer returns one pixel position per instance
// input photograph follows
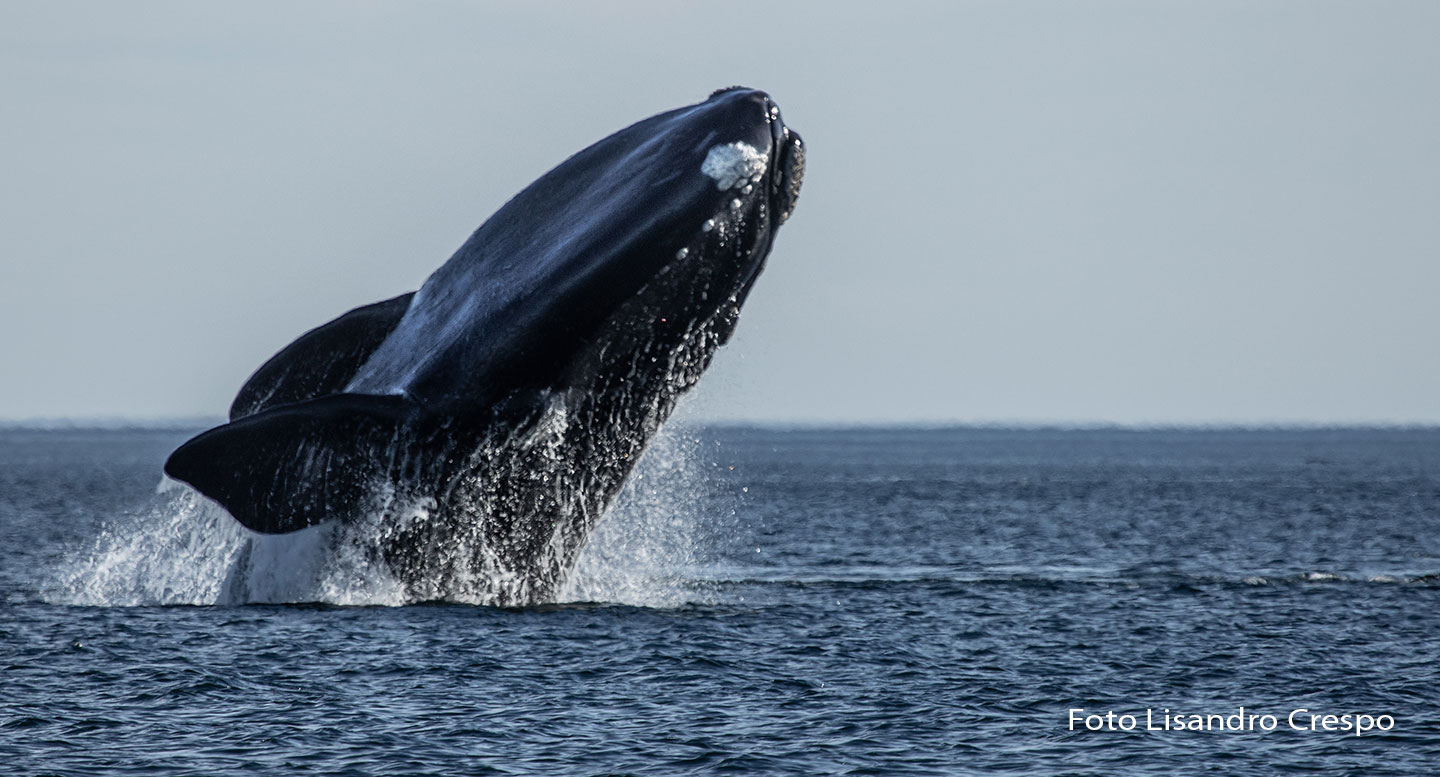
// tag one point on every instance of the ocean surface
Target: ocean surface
(767, 602)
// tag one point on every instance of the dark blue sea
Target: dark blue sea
(767, 602)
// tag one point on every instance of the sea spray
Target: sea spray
(181, 549)
(650, 549)
(177, 551)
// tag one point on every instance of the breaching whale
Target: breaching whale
(471, 433)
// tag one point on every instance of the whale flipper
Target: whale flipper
(299, 464)
(321, 361)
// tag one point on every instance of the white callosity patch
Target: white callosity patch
(733, 164)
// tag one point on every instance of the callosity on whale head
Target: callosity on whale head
(471, 433)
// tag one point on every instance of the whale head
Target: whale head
(649, 238)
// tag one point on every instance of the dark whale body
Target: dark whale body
(471, 434)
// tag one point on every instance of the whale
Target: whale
(470, 434)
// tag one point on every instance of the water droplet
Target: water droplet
(748, 188)
(682, 253)
(708, 225)
(735, 204)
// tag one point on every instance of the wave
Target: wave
(868, 575)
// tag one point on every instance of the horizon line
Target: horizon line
(200, 422)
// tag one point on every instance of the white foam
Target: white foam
(178, 552)
(184, 549)
(732, 164)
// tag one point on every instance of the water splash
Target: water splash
(178, 551)
(651, 549)
(184, 550)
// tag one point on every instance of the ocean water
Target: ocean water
(767, 602)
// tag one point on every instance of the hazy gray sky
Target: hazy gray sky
(1129, 212)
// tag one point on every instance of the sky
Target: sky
(1014, 212)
